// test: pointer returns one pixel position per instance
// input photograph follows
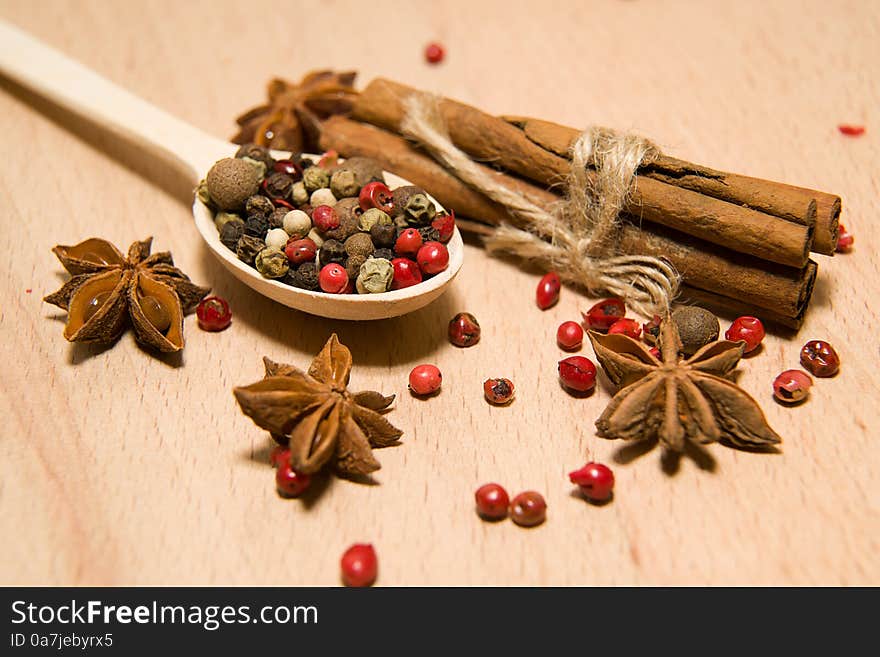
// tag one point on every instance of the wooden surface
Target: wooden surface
(117, 467)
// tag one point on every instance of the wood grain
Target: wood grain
(120, 468)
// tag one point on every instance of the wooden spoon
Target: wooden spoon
(75, 88)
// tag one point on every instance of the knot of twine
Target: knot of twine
(582, 228)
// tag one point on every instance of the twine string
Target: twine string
(578, 236)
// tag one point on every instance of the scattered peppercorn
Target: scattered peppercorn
(792, 386)
(464, 330)
(577, 373)
(697, 327)
(359, 566)
(626, 326)
(425, 380)
(820, 358)
(383, 235)
(569, 336)
(492, 502)
(213, 314)
(845, 240)
(603, 314)
(748, 329)
(498, 391)
(547, 293)
(851, 130)
(528, 509)
(651, 330)
(596, 481)
(434, 53)
(289, 482)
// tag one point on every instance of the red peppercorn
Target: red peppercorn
(325, 218)
(300, 251)
(213, 314)
(655, 352)
(629, 327)
(820, 358)
(748, 329)
(408, 242)
(528, 509)
(595, 480)
(464, 330)
(602, 315)
(329, 160)
(577, 373)
(851, 130)
(445, 225)
(547, 293)
(406, 273)
(569, 336)
(279, 454)
(433, 258)
(792, 386)
(359, 565)
(492, 502)
(845, 240)
(425, 380)
(434, 53)
(376, 195)
(289, 167)
(288, 481)
(498, 391)
(333, 278)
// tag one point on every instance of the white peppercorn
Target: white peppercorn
(322, 196)
(277, 238)
(297, 224)
(299, 194)
(315, 236)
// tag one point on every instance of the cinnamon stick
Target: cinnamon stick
(794, 204)
(492, 139)
(351, 138)
(732, 308)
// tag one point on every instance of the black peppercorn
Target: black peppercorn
(383, 235)
(332, 251)
(248, 247)
(231, 233)
(256, 226)
(276, 218)
(305, 277)
(258, 153)
(306, 162)
(385, 254)
(278, 185)
(429, 234)
(259, 205)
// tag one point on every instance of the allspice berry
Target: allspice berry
(696, 326)
(349, 211)
(231, 181)
(384, 235)
(401, 197)
(258, 153)
(365, 170)
(353, 265)
(359, 244)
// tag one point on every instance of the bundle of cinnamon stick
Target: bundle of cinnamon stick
(741, 244)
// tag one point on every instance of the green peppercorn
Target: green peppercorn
(259, 204)
(299, 194)
(272, 263)
(373, 217)
(419, 210)
(248, 247)
(401, 196)
(343, 183)
(231, 233)
(315, 178)
(375, 276)
(259, 166)
(203, 195)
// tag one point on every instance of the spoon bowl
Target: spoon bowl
(335, 306)
(77, 89)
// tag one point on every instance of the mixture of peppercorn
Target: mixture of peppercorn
(326, 226)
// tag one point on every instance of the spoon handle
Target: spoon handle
(72, 86)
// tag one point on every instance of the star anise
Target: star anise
(290, 120)
(109, 290)
(315, 414)
(674, 400)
